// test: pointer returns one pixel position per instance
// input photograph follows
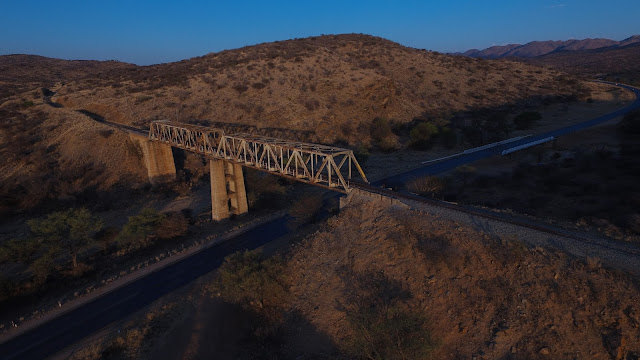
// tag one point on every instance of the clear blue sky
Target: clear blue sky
(148, 32)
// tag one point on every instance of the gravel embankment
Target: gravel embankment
(611, 253)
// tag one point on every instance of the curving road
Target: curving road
(75, 325)
(69, 328)
(398, 180)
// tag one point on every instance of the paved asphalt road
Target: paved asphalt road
(61, 332)
(69, 328)
(438, 168)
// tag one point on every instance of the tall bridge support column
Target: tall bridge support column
(219, 196)
(228, 194)
(237, 191)
(158, 159)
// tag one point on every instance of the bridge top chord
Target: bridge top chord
(327, 166)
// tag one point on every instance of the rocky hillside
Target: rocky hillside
(539, 48)
(20, 73)
(333, 86)
(482, 296)
(618, 64)
(391, 283)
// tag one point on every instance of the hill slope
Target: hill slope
(619, 64)
(19, 73)
(481, 295)
(331, 85)
(539, 48)
(378, 281)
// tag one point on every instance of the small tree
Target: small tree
(68, 231)
(172, 226)
(248, 279)
(362, 154)
(427, 185)
(382, 324)
(382, 135)
(422, 135)
(140, 230)
(263, 190)
(7, 287)
(42, 268)
(19, 250)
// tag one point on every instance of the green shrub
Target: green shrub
(19, 250)
(422, 135)
(172, 226)
(252, 281)
(427, 185)
(497, 127)
(263, 190)
(362, 154)
(382, 135)
(240, 88)
(42, 268)
(68, 231)
(526, 119)
(383, 326)
(140, 230)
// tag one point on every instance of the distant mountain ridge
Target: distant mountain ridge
(540, 48)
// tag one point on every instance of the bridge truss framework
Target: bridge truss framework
(321, 165)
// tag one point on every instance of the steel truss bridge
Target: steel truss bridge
(321, 165)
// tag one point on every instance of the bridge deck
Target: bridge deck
(322, 165)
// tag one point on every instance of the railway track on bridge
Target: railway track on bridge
(486, 214)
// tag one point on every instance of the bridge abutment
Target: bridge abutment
(158, 158)
(228, 194)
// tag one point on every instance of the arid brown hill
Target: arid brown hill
(19, 73)
(620, 64)
(330, 84)
(334, 85)
(389, 283)
(483, 297)
(539, 48)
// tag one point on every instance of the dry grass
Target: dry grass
(333, 86)
(317, 83)
(50, 153)
(490, 297)
(139, 337)
(482, 295)
(616, 64)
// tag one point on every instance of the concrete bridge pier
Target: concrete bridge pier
(228, 194)
(158, 159)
